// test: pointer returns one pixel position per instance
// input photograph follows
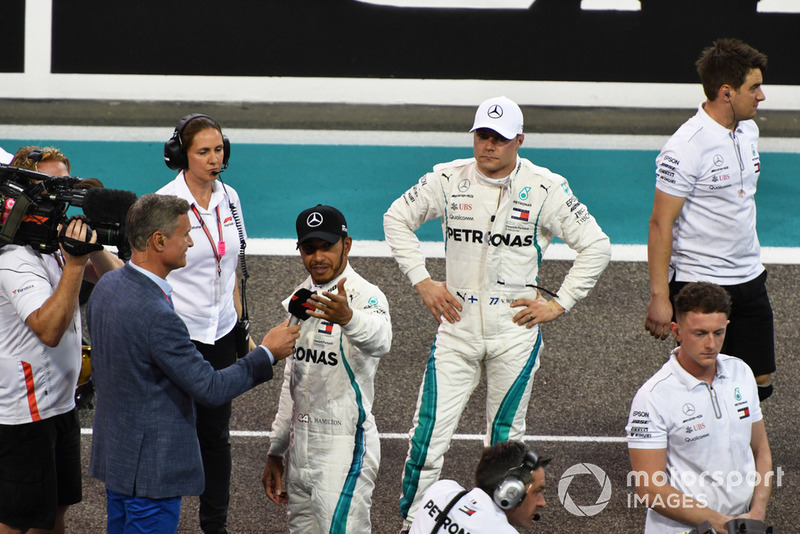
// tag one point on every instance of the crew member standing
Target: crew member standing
(40, 325)
(703, 225)
(205, 292)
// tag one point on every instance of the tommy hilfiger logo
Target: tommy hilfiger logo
(521, 214)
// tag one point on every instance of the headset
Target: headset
(36, 155)
(511, 490)
(174, 154)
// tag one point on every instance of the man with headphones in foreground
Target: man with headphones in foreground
(509, 490)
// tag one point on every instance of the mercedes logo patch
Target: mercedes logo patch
(314, 220)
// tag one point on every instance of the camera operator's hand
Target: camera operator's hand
(51, 320)
(79, 244)
(76, 241)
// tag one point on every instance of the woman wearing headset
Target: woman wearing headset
(205, 292)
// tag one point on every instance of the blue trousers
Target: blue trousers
(140, 515)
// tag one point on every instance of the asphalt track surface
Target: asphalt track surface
(594, 359)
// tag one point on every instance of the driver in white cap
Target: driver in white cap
(499, 213)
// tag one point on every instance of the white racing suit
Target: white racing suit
(324, 426)
(495, 237)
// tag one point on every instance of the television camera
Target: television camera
(34, 204)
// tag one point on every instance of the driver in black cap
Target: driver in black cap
(332, 440)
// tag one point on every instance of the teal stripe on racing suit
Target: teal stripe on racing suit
(422, 436)
(504, 418)
(339, 522)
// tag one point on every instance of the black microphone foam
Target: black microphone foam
(107, 205)
(298, 306)
(536, 517)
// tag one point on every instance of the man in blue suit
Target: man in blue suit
(148, 375)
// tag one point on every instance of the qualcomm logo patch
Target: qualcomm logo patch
(602, 480)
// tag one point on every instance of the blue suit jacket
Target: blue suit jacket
(148, 375)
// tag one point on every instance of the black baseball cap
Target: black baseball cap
(322, 222)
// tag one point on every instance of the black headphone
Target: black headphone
(511, 490)
(36, 155)
(174, 154)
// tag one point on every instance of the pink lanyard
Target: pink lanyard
(219, 247)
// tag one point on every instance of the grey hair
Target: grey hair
(153, 213)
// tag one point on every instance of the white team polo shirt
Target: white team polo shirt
(716, 170)
(36, 381)
(202, 299)
(705, 430)
(475, 512)
(5, 157)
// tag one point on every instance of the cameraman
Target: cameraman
(47, 160)
(40, 468)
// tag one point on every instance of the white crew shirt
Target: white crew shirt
(716, 171)
(705, 430)
(36, 381)
(475, 512)
(5, 157)
(203, 299)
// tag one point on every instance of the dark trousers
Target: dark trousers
(213, 432)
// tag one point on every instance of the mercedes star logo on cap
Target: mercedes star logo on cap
(495, 112)
(314, 220)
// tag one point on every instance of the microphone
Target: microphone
(217, 173)
(107, 205)
(298, 306)
(536, 517)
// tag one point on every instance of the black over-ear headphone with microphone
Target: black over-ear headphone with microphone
(174, 154)
(511, 490)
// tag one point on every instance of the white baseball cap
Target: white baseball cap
(500, 114)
